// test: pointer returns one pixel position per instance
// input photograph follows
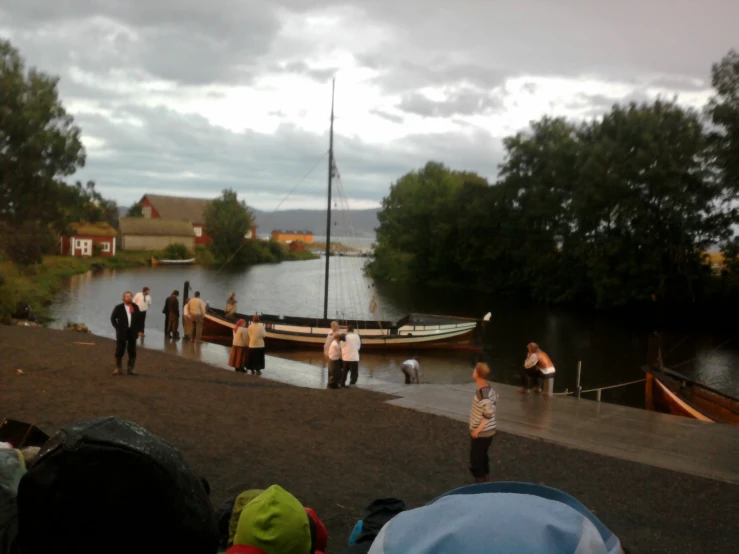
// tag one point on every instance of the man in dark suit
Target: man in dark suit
(126, 318)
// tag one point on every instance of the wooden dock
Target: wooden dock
(670, 442)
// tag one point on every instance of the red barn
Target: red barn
(89, 239)
(155, 206)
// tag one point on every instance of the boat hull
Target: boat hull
(445, 334)
(156, 261)
(685, 398)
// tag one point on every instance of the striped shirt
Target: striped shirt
(483, 407)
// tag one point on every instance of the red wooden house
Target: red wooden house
(156, 206)
(89, 239)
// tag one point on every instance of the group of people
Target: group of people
(342, 353)
(193, 314)
(247, 350)
(72, 492)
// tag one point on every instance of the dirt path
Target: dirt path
(338, 450)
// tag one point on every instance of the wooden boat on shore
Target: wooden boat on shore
(155, 261)
(413, 332)
(670, 392)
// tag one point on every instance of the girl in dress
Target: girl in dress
(240, 349)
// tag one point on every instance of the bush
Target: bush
(176, 251)
(27, 244)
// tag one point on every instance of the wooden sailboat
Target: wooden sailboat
(415, 331)
(670, 392)
(157, 261)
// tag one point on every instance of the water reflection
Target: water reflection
(610, 351)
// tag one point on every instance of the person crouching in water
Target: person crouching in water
(334, 361)
(538, 365)
(482, 424)
(411, 369)
(240, 348)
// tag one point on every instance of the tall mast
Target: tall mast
(328, 211)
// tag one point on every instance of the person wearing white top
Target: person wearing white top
(327, 345)
(334, 361)
(411, 369)
(350, 356)
(143, 301)
(538, 365)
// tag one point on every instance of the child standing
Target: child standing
(482, 424)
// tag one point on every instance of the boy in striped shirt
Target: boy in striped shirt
(482, 424)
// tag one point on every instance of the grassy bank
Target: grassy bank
(36, 285)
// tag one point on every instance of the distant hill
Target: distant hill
(363, 221)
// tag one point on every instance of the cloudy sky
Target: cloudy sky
(189, 97)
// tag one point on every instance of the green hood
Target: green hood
(275, 522)
(242, 500)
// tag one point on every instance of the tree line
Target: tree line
(611, 212)
(40, 147)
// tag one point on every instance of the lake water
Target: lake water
(611, 352)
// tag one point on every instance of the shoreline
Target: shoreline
(339, 450)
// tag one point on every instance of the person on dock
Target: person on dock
(482, 423)
(327, 345)
(230, 311)
(257, 333)
(538, 365)
(126, 319)
(197, 313)
(239, 348)
(173, 321)
(350, 356)
(412, 370)
(143, 301)
(186, 321)
(334, 361)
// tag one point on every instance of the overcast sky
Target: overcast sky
(189, 97)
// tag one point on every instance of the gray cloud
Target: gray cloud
(388, 116)
(158, 154)
(471, 48)
(300, 67)
(462, 102)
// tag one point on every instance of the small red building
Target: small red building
(89, 239)
(296, 246)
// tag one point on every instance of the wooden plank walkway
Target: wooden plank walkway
(670, 442)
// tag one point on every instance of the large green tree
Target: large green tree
(39, 143)
(227, 221)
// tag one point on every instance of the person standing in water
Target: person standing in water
(482, 424)
(197, 311)
(327, 345)
(143, 301)
(412, 370)
(334, 361)
(350, 356)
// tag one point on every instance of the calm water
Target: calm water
(611, 352)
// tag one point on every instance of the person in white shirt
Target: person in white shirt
(350, 356)
(334, 360)
(538, 365)
(143, 301)
(411, 369)
(196, 311)
(327, 345)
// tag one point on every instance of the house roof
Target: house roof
(93, 229)
(176, 207)
(155, 227)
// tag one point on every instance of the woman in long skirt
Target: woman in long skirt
(256, 345)
(240, 349)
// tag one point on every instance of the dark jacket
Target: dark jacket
(119, 319)
(173, 305)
